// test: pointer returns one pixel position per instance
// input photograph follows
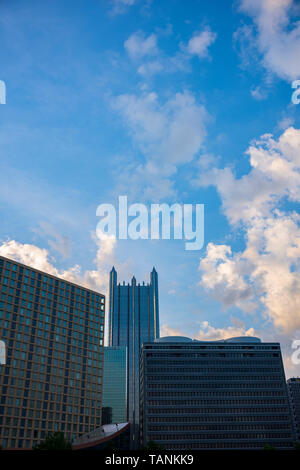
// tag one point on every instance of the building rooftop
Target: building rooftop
(184, 339)
(102, 434)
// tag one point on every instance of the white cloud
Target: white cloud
(199, 44)
(58, 242)
(268, 269)
(121, 6)
(223, 274)
(257, 93)
(208, 332)
(138, 45)
(285, 122)
(168, 134)
(167, 330)
(150, 68)
(278, 36)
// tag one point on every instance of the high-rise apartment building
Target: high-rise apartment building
(228, 394)
(294, 394)
(52, 376)
(114, 403)
(133, 319)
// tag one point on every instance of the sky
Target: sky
(165, 101)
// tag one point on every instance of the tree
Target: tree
(152, 445)
(269, 447)
(54, 441)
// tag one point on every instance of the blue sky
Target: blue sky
(163, 101)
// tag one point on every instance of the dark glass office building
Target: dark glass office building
(114, 403)
(52, 379)
(228, 394)
(133, 319)
(294, 394)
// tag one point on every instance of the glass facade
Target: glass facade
(133, 319)
(53, 333)
(114, 401)
(229, 394)
(294, 394)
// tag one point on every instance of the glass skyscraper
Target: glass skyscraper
(114, 403)
(52, 376)
(228, 394)
(133, 319)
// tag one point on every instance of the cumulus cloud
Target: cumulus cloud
(168, 134)
(139, 45)
(277, 35)
(199, 44)
(224, 275)
(151, 60)
(268, 269)
(207, 332)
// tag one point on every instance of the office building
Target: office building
(294, 394)
(228, 394)
(114, 394)
(133, 319)
(52, 378)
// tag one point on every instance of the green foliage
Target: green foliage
(152, 445)
(54, 441)
(269, 447)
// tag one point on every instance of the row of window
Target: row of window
(200, 369)
(231, 427)
(72, 405)
(53, 316)
(61, 401)
(37, 296)
(40, 304)
(160, 394)
(230, 410)
(196, 346)
(242, 356)
(174, 437)
(37, 416)
(56, 338)
(225, 445)
(219, 419)
(214, 386)
(269, 401)
(247, 377)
